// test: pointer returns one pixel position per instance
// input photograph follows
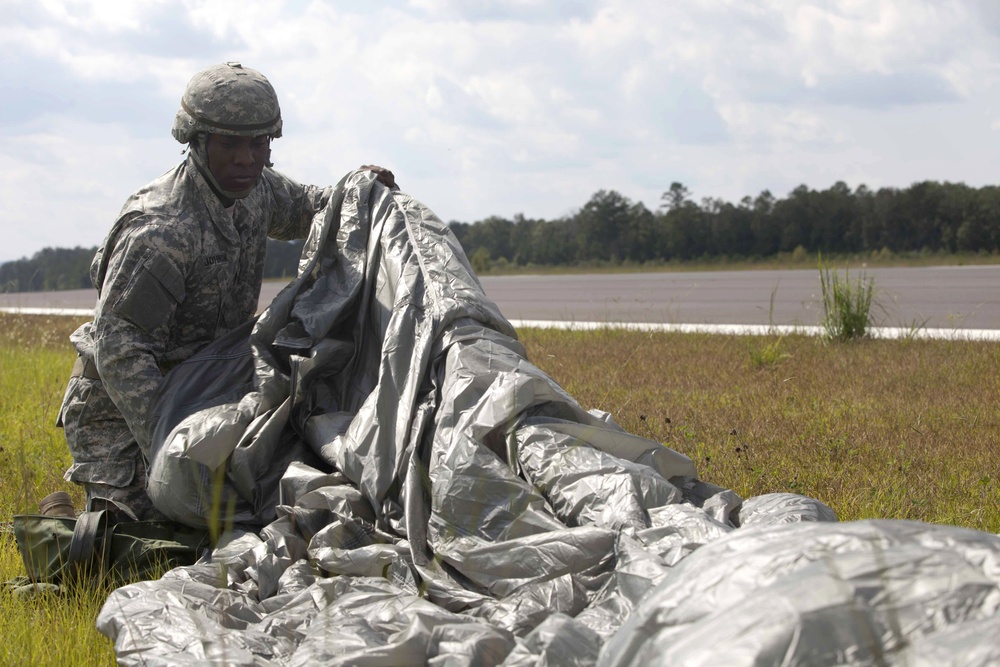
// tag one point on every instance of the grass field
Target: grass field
(36, 359)
(874, 428)
(898, 429)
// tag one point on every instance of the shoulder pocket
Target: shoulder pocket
(152, 294)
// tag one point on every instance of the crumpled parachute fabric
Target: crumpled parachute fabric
(412, 490)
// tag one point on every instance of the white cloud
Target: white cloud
(109, 15)
(98, 166)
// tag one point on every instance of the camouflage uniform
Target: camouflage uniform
(176, 271)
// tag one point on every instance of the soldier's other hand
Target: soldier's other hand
(383, 175)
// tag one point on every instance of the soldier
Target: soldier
(181, 266)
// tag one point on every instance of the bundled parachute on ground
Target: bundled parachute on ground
(407, 488)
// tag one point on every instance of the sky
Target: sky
(487, 108)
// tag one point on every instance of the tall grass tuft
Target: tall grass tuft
(847, 305)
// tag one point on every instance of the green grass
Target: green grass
(847, 305)
(880, 428)
(36, 360)
(766, 352)
(51, 629)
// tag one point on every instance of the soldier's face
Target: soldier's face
(237, 162)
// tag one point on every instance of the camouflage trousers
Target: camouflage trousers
(106, 458)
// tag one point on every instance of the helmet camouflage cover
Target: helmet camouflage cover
(228, 99)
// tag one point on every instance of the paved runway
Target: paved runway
(956, 297)
(938, 297)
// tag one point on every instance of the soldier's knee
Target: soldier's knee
(134, 499)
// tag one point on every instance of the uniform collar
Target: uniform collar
(221, 218)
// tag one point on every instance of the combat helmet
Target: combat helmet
(228, 99)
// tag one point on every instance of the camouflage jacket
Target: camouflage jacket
(177, 271)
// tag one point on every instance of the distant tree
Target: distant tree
(48, 269)
(675, 197)
(600, 225)
(554, 243)
(958, 204)
(863, 227)
(980, 230)
(638, 239)
(480, 260)
(892, 209)
(793, 216)
(460, 230)
(763, 224)
(834, 212)
(494, 234)
(730, 228)
(521, 239)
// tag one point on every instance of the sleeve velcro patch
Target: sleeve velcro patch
(152, 293)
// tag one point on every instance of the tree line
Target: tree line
(927, 217)
(69, 268)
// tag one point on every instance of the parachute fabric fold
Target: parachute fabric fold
(409, 489)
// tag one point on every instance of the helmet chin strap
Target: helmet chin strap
(200, 154)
